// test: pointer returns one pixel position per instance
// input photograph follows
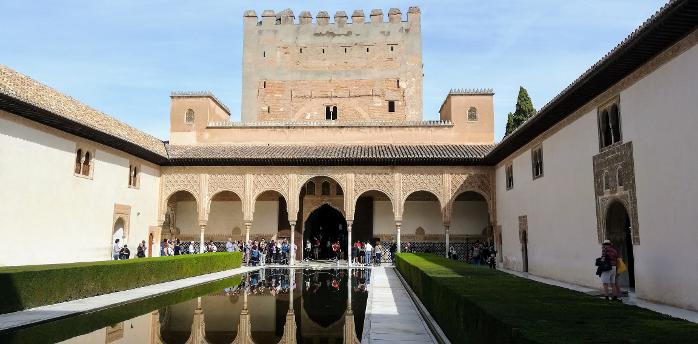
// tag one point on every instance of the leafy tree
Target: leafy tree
(524, 111)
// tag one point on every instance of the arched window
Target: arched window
(619, 177)
(78, 161)
(339, 191)
(310, 188)
(133, 176)
(331, 112)
(325, 188)
(86, 164)
(189, 117)
(614, 124)
(472, 114)
(130, 175)
(606, 129)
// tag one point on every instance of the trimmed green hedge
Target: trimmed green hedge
(475, 304)
(30, 286)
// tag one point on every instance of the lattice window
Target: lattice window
(310, 188)
(609, 124)
(325, 188)
(509, 171)
(472, 114)
(537, 162)
(189, 117)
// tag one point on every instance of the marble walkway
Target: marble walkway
(95, 303)
(391, 316)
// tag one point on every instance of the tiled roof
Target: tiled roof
(22, 95)
(327, 154)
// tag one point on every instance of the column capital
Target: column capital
(203, 223)
(349, 223)
(293, 223)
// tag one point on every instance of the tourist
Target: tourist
(191, 248)
(369, 250)
(229, 245)
(177, 248)
(306, 251)
(116, 248)
(140, 250)
(293, 252)
(393, 251)
(476, 253)
(492, 259)
(355, 252)
(335, 251)
(254, 253)
(484, 254)
(262, 253)
(316, 248)
(361, 252)
(379, 252)
(164, 248)
(124, 253)
(279, 252)
(284, 253)
(609, 257)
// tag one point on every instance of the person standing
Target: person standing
(306, 251)
(229, 245)
(379, 253)
(125, 253)
(140, 250)
(476, 253)
(369, 250)
(609, 258)
(393, 251)
(191, 248)
(335, 251)
(177, 248)
(116, 249)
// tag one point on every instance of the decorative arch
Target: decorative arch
(415, 182)
(175, 182)
(380, 182)
(256, 197)
(479, 183)
(315, 207)
(220, 192)
(303, 179)
(442, 206)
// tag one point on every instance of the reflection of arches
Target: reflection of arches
(321, 302)
(327, 224)
(618, 230)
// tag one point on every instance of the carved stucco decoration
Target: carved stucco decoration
(383, 182)
(225, 182)
(614, 181)
(433, 183)
(476, 182)
(268, 182)
(174, 182)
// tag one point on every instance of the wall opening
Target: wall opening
(618, 230)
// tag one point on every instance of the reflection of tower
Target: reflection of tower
(244, 335)
(198, 328)
(289, 336)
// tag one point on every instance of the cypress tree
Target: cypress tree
(524, 110)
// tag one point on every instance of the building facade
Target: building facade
(608, 158)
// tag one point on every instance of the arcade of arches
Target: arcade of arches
(432, 206)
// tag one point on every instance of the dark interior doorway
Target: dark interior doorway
(524, 250)
(328, 225)
(619, 232)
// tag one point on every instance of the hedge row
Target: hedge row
(64, 329)
(30, 286)
(477, 305)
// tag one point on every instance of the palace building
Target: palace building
(332, 144)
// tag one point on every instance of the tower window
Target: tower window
(264, 54)
(345, 50)
(392, 48)
(189, 116)
(367, 49)
(133, 176)
(323, 50)
(301, 50)
(325, 188)
(472, 114)
(310, 188)
(331, 112)
(391, 106)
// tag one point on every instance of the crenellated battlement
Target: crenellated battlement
(287, 17)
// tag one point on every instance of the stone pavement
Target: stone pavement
(95, 303)
(631, 299)
(391, 316)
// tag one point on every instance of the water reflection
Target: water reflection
(273, 306)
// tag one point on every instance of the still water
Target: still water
(265, 306)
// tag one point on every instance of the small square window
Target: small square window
(391, 106)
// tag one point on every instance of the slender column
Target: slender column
(293, 242)
(349, 247)
(399, 239)
(448, 236)
(202, 225)
(292, 284)
(247, 231)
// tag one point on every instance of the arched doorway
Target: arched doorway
(328, 225)
(118, 231)
(470, 223)
(619, 232)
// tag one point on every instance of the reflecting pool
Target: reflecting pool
(265, 306)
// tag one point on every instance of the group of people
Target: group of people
(480, 254)
(263, 252)
(363, 253)
(120, 252)
(609, 267)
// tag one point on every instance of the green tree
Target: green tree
(524, 111)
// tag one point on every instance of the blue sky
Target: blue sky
(125, 57)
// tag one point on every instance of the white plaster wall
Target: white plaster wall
(561, 208)
(469, 218)
(425, 214)
(45, 206)
(224, 216)
(266, 218)
(658, 114)
(383, 218)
